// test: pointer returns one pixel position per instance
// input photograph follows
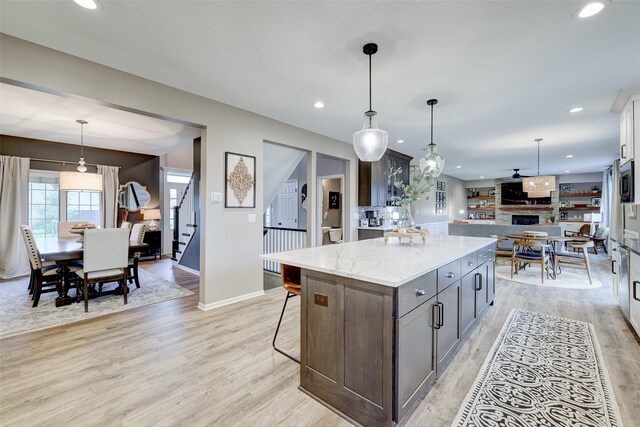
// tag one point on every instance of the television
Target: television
(512, 194)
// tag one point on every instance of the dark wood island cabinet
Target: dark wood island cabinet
(371, 347)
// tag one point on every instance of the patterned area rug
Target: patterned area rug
(542, 371)
(18, 317)
(570, 278)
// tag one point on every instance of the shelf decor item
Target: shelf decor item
(539, 186)
(240, 177)
(595, 202)
(565, 188)
(370, 143)
(432, 163)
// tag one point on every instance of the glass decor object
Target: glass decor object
(539, 186)
(370, 143)
(432, 163)
(406, 219)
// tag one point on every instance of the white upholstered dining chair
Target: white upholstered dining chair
(44, 277)
(127, 225)
(106, 256)
(137, 238)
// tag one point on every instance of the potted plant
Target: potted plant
(552, 219)
(420, 184)
(595, 189)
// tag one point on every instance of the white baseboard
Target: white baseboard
(182, 267)
(218, 304)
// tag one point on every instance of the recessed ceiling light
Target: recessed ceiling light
(458, 167)
(482, 177)
(318, 104)
(591, 9)
(569, 156)
(567, 171)
(400, 141)
(576, 109)
(87, 4)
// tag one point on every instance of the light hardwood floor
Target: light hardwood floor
(172, 364)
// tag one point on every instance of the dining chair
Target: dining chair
(585, 229)
(106, 256)
(63, 229)
(291, 283)
(599, 238)
(502, 251)
(578, 259)
(529, 252)
(44, 278)
(127, 225)
(137, 238)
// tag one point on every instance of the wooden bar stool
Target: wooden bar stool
(291, 283)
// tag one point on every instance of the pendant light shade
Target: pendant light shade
(80, 181)
(370, 143)
(539, 186)
(432, 163)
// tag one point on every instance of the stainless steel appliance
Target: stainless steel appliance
(627, 184)
(623, 272)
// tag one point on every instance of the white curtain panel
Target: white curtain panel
(14, 212)
(110, 185)
(605, 204)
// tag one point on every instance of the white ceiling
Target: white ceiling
(32, 114)
(505, 72)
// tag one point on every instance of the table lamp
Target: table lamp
(152, 214)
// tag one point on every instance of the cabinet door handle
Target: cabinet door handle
(478, 286)
(420, 292)
(441, 315)
(623, 151)
(483, 255)
(451, 275)
(635, 290)
(469, 264)
(613, 265)
(436, 325)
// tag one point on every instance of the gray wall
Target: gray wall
(334, 216)
(231, 242)
(133, 166)
(424, 211)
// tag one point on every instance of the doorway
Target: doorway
(331, 210)
(175, 185)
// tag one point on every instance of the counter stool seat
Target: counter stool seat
(291, 283)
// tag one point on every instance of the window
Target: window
(178, 178)
(173, 201)
(83, 206)
(44, 203)
(47, 207)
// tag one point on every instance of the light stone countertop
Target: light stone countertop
(371, 260)
(376, 228)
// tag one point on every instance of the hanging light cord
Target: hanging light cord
(538, 141)
(81, 139)
(431, 124)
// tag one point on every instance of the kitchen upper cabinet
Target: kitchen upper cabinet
(374, 186)
(626, 133)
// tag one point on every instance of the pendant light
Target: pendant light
(370, 143)
(539, 186)
(81, 180)
(432, 163)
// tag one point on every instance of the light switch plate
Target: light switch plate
(216, 197)
(252, 217)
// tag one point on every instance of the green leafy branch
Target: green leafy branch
(420, 184)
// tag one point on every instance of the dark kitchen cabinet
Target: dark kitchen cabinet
(374, 186)
(448, 328)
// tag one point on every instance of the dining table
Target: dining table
(555, 243)
(65, 251)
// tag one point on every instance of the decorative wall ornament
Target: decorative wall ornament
(240, 177)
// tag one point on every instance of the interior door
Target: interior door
(287, 205)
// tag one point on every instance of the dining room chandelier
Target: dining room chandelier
(370, 143)
(539, 185)
(432, 163)
(81, 180)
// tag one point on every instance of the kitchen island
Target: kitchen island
(379, 323)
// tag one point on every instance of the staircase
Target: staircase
(182, 238)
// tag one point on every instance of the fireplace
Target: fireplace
(525, 219)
